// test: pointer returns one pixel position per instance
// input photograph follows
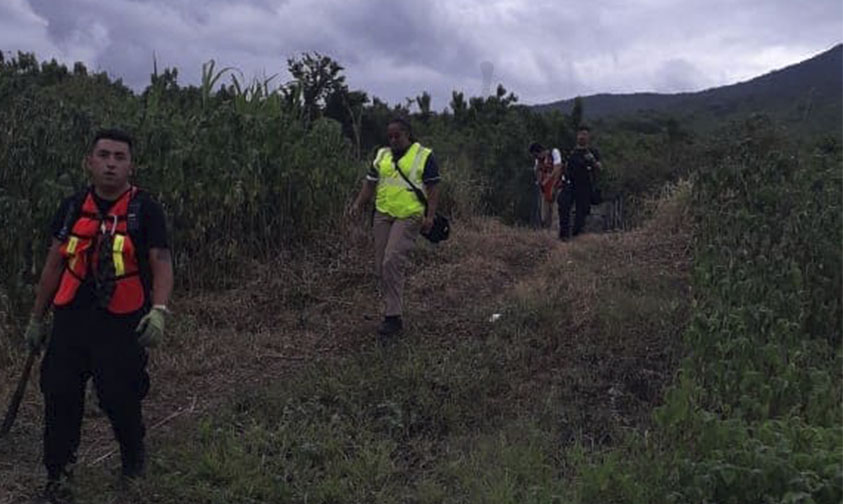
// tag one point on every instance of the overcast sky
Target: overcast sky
(540, 49)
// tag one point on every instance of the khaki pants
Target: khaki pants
(394, 239)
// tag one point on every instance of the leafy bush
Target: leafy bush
(754, 414)
(239, 175)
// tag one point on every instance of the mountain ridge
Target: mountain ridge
(811, 89)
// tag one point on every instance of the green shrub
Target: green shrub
(754, 415)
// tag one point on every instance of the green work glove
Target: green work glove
(151, 326)
(36, 333)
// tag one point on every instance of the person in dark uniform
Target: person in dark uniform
(581, 169)
(108, 276)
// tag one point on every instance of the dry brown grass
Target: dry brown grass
(593, 303)
(606, 313)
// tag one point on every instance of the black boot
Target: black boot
(58, 491)
(134, 464)
(390, 327)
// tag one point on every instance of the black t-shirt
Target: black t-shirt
(151, 233)
(579, 167)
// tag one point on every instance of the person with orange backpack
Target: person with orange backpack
(548, 172)
(108, 276)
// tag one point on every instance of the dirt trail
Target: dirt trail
(294, 311)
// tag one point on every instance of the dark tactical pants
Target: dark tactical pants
(91, 343)
(573, 195)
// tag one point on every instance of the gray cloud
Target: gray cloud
(542, 50)
(677, 75)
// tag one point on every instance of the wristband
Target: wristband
(162, 307)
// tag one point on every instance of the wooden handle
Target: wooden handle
(14, 404)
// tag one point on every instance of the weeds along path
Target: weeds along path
(594, 323)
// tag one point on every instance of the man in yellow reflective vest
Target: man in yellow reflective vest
(399, 215)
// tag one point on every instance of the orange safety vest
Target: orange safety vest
(80, 250)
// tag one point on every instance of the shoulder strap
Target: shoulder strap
(419, 193)
(133, 212)
(72, 214)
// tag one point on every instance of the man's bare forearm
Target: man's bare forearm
(365, 194)
(558, 171)
(49, 281)
(161, 264)
(432, 199)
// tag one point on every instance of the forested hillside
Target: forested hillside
(807, 96)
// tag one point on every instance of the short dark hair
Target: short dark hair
(583, 127)
(535, 148)
(405, 124)
(115, 134)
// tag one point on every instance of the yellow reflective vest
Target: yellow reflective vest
(394, 196)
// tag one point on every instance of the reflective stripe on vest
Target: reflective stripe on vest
(394, 196)
(81, 258)
(117, 255)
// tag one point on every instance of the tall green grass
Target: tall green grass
(755, 412)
